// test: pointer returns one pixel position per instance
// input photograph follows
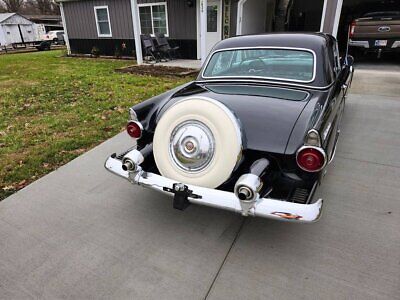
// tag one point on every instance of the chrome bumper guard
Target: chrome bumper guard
(260, 207)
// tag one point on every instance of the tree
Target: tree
(13, 5)
(46, 6)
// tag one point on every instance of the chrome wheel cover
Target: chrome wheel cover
(192, 146)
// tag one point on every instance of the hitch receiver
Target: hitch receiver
(181, 194)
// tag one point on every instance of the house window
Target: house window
(103, 21)
(153, 18)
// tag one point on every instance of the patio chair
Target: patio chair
(164, 47)
(149, 48)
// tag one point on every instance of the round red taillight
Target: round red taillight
(311, 159)
(134, 129)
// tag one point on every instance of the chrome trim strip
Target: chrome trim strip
(263, 207)
(319, 149)
(262, 77)
(133, 115)
(317, 133)
(363, 44)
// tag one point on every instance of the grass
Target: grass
(53, 109)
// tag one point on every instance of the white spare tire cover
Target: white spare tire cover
(197, 141)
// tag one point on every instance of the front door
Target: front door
(214, 25)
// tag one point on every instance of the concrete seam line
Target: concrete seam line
(226, 256)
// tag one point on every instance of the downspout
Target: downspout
(239, 18)
(203, 29)
(66, 38)
(338, 12)
(321, 29)
(136, 31)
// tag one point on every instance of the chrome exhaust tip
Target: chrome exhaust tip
(132, 160)
(247, 187)
(129, 166)
(245, 193)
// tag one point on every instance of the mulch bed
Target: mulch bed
(154, 70)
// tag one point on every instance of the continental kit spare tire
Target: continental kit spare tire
(197, 141)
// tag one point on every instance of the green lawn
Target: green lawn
(53, 109)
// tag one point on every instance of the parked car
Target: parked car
(54, 36)
(376, 32)
(254, 133)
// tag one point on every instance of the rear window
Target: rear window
(264, 63)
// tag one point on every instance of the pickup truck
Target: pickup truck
(376, 32)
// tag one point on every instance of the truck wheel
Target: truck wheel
(197, 141)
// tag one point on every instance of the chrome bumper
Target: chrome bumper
(261, 207)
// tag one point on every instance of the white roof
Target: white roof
(5, 16)
(13, 19)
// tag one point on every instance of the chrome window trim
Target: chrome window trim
(262, 77)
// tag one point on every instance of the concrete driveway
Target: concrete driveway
(82, 233)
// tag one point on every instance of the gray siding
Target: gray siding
(81, 21)
(181, 20)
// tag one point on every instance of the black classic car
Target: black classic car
(254, 133)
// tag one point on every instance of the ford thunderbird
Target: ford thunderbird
(254, 133)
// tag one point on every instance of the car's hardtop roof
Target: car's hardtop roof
(317, 42)
(312, 41)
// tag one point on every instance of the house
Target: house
(15, 28)
(193, 25)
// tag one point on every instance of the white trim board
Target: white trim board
(321, 29)
(338, 12)
(66, 38)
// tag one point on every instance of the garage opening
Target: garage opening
(260, 16)
(353, 9)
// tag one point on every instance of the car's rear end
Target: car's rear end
(245, 136)
(376, 32)
(246, 168)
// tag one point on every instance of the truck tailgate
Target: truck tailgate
(377, 29)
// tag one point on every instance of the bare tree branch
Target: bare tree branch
(13, 5)
(45, 6)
